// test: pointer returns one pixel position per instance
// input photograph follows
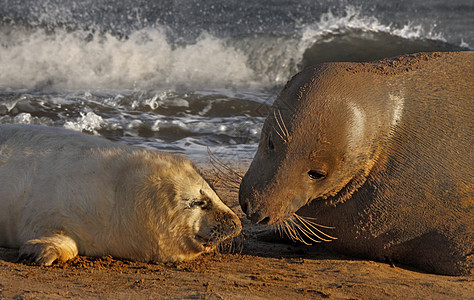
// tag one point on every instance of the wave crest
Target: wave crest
(144, 60)
(39, 58)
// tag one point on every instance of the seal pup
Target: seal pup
(382, 152)
(64, 193)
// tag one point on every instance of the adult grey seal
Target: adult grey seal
(64, 193)
(382, 152)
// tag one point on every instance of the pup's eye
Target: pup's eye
(202, 203)
(316, 175)
(199, 203)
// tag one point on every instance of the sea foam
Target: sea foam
(143, 60)
(44, 59)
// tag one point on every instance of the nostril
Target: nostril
(245, 207)
(264, 221)
(237, 223)
(260, 218)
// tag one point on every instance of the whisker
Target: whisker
(279, 229)
(282, 135)
(296, 233)
(299, 229)
(310, 219)
(227, 177)
(290, 231)
(278, 133)
(285, 229)
(312, 226)
(278, 122)
(307, 231)
(219, 162)
(230, 246)
(299, 237)
(304, 233)
(287, 134)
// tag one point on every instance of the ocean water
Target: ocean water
(188, 76)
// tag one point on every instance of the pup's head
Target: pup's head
(181, 211)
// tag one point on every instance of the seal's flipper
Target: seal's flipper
(45, 250)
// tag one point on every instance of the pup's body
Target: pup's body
(64, 193)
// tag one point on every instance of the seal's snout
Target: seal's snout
(247, 197)
(244, 200)
(219, 227)
(245, 207)
(234, 226)
(260, 219)
(257, 217)
(237, 226)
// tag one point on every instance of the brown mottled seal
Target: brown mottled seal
(381, 151)
(64, 193)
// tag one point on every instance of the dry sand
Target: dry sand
(252, 269)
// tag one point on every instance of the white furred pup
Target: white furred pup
(64, 193)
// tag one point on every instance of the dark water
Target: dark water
(187, 75)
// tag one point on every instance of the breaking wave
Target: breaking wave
(42, 58)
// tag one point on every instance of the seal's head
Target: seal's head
(181, 216)
(319, 141)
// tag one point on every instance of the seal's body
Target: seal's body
(64, 193)
(381, 151)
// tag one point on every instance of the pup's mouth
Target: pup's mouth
(206, 243)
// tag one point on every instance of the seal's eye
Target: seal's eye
(316, 175)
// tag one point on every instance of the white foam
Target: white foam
(143, 61)
(88, 121)
(352, 19)
(81, 60)
(23, 118)
(464, 44)
(26, 118)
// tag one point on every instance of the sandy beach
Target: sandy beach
(200, 76)
(247, 268)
